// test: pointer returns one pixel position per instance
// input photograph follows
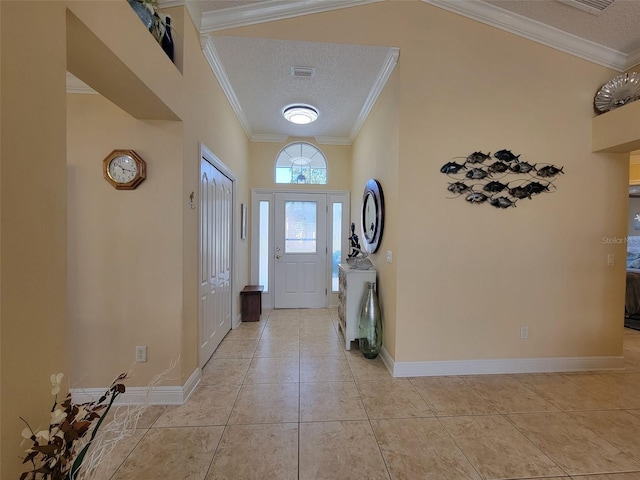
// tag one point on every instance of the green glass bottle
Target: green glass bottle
(370, 324)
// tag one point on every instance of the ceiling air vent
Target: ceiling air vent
(303, 72)
(592, 6)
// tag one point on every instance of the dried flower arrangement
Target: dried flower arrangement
(58, 452)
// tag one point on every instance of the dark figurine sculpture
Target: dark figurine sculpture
(355, 243)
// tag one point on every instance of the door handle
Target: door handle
(278, 257)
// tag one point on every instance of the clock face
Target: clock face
(123, 169)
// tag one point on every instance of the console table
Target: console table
(352, 288)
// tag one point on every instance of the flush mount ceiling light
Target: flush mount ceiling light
(300, 114)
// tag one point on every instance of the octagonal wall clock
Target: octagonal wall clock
(124, 169)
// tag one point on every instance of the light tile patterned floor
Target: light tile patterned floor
(281, 399)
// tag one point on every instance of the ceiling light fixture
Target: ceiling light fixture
(300, 114)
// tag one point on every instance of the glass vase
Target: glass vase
(370, 324)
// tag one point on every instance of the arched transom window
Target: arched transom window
(301, 163)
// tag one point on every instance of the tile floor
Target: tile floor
(281, 399)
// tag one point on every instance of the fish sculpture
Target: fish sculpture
(458, 187)
(476, 197)
(498, 167)
(502, 202)
(522, 167)
(477, 174)
(452, 167)
(506, 156)
(550, 171)
(494, 187)
(525, 180)
(478, 157)
(536, 187)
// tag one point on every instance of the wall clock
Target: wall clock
(124, 169)
(372, 215)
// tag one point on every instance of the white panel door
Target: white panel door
(216, 220)
(300, 250)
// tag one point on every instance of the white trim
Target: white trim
(270, 11)
(207, 155)
(264, 137)
(158, 395)
(210, 53)
(385, 72)
(333, 140)
(633, 59)
(536, 31)
(500, 366)
(190, 385)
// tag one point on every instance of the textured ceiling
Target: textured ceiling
(260, 72)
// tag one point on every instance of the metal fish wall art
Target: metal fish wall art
(500, 182)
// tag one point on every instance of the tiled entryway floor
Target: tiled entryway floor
(282, 399)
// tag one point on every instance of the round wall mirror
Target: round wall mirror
(372, 215)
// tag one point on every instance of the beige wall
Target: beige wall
(469, 276)
(376, 155)
(116, 298)
(33, 218)
(124, 247)
(483, 272)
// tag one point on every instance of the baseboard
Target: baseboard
(499, 366)
(157, 395)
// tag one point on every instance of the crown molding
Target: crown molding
(333, 140)
(633, 59)
(270, 11)
(75, 85)
(209, 50)
(385, 72)
(268, 138)
(536, 31)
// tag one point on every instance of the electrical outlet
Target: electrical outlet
(141, 354)
(524, 333)
(389, 256)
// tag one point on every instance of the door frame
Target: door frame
(210, 157)
(262, 194)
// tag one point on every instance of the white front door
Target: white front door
(216, 221)
(300, 250)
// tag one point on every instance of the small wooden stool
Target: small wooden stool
(251, 296)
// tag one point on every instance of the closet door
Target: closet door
(216, 222)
